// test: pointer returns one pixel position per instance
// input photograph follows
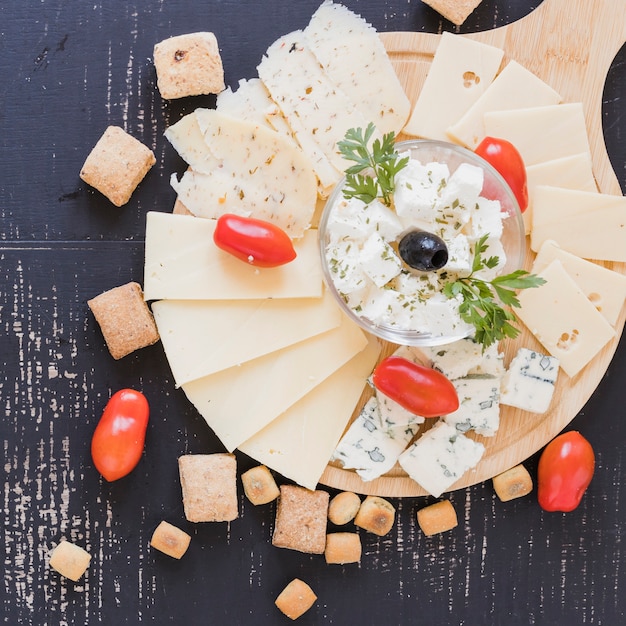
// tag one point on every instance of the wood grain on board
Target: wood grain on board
(570, 44)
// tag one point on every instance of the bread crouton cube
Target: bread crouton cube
(513, 483)
(124, 318)
(188, 65)
(170, 540)
(343, 508)
(296, 599)
(209, 486)
(301, 519)
(117, 164)
(456, 11)
(437, 518)
(69, 560)
(376, 515)
(343, 548)
(259, 485)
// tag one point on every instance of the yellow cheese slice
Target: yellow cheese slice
(238, 402)
(563, 320)
(201, 337)
(513, 88)
(571, 172)
(541, 133)
(299, 443)
(461, 71)
(605, 288)
(183, 263)
(589, 225)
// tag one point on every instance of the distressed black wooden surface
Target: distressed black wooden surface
(68, 68)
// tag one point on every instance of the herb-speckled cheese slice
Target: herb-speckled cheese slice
(250, 102)
(354, 58)
(258, 172)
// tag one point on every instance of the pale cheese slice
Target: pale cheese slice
(238, 402)
(258, 172)
(587, 224)
(249, 102)
(201, 337)
(605, 288)
(541, 133)
(299, 443)
(317, 110)
(354, 58)
(461, 71)
(182, 262)
(513, 88)
(571, 172)
(187, 139)
(563, 320)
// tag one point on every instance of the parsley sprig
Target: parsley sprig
(482, 299)
(382, 161)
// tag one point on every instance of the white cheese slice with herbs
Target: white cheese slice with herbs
(529, 381)
(183, 263)
(368, 447)
(513, 88)
(238, 402)
(563, 319)
(354, 58)
(479, 405)
(249, 102)
(201, 337)
(188, 140)
(587, 224)
(459, 74)
(440, 457)
(605, 288)
(299, 443)
(541, 133)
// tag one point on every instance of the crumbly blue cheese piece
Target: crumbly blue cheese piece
(456, 359)
(530, 381)
(479, 405)
(369, 448)
(440, 457)
(394, 415)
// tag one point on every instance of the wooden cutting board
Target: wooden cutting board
(570, 44)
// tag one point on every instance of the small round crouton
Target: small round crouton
(437, 518)
(295, 599)
(343, 508)
(170, 540)
(376, 515)
(343, 548)
(259, 485)
(513, 483)
(69, 560)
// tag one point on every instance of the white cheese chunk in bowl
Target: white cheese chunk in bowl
(445, 190)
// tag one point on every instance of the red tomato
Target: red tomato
(254, 241)
(421, 390)
(503, 156)
(118, 440)
(565, 470)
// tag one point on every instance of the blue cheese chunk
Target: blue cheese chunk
(479, 405)
(530, 380)
(394, 415)
(440, 457)
(369, 448)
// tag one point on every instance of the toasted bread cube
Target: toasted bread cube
(69, 560)
(457, 11)
(188, 65)
(514, 483)
(125, 320)
(343, 548)
(170, 540)
(437, 518)
(259, 485)
(343, 508)
(376, 515)
(295, 599)
(301, 519)
(209, 486)
(117, 164)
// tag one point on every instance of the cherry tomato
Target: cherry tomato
(421, 390)
(504, 157)
(254, 241)
(565, 470)
(118, 440)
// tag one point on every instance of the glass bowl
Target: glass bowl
(512, 241)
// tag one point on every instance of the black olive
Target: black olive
(423, 251)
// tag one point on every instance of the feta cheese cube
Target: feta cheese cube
(381, 219)
(460, 257)
(479, 405)
(530, 380)
(347, 221)
(379, 260)
(486, 219)
(463, 189)
(440, 457)
(345, 266)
